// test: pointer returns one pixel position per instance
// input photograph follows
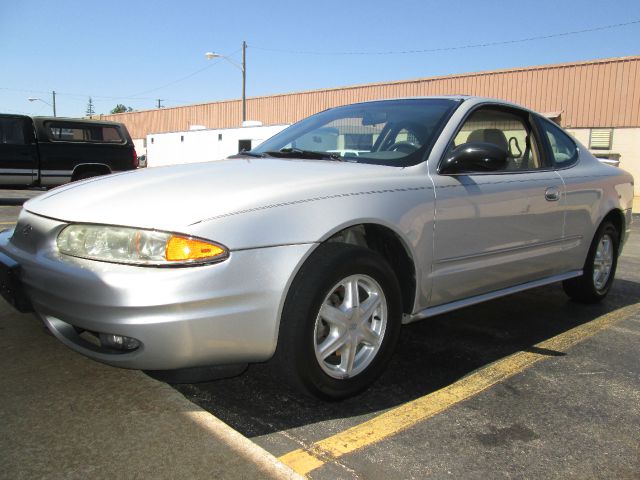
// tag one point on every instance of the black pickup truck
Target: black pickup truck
(49, 151)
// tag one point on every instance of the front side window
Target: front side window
(563, 150)
(64, 132)
(506, 130)
(393, 132)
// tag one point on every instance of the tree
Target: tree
(120, 108)
(90, 110)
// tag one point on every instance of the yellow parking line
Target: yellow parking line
(398, 419)
(7, 223)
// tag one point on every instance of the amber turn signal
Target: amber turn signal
(181, 249)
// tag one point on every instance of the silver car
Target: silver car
(308, 256)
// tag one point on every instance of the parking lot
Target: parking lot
(526, 386)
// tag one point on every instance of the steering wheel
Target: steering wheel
(403, 146)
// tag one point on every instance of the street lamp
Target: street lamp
(53, 95)
(243, 69)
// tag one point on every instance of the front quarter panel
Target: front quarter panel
(402, 203)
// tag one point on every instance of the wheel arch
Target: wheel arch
(617, 218)
(391, 245)
(356, 233)
(294, 356)
(99, 168)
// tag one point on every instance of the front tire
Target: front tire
(599, 268)
(340, 322)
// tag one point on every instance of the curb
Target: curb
(265, 461)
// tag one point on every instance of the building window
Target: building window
(244, 145)
(182, 138)
(219, 136)
(601, 138)
(151, 139)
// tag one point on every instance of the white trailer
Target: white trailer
(202, 144)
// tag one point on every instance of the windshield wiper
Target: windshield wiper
(248, 153)
(299, 153)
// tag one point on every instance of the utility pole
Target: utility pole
(243, 68)
(244, 81)
(159, 104)
(53, 93)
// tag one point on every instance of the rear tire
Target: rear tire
(599, 268)
(340, 322)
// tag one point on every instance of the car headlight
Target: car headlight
(136, 246)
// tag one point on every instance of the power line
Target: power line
(82, 96)
(135, 96)
(25, 91)
(185, 77)
(460, 47)
(79, 95)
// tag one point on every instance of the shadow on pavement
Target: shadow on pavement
(430, 355)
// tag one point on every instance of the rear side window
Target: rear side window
(12, 131)
(563, 149)
(63, 132)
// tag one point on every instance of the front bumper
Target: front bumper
(215, 314)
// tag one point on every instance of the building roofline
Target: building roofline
(400, 82)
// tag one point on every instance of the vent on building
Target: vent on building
(600, 138)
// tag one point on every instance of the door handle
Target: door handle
(552, 194)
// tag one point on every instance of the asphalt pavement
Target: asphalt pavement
(560, 399)
(527, 386)
(63, 416)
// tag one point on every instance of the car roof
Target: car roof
(460, 97)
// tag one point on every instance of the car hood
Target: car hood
(171, 198)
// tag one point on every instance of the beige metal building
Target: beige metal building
(598, 101)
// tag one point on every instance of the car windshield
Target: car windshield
(391, 132)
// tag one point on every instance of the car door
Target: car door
(496, 229)
(18, 151)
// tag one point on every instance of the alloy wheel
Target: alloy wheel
(350, 326)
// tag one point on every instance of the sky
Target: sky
(134, 52)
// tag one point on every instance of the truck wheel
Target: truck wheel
(599, 268)
(340, 322)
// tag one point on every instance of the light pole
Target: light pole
(53, 95)
(243, 69)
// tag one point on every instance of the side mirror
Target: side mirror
(474, 157)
